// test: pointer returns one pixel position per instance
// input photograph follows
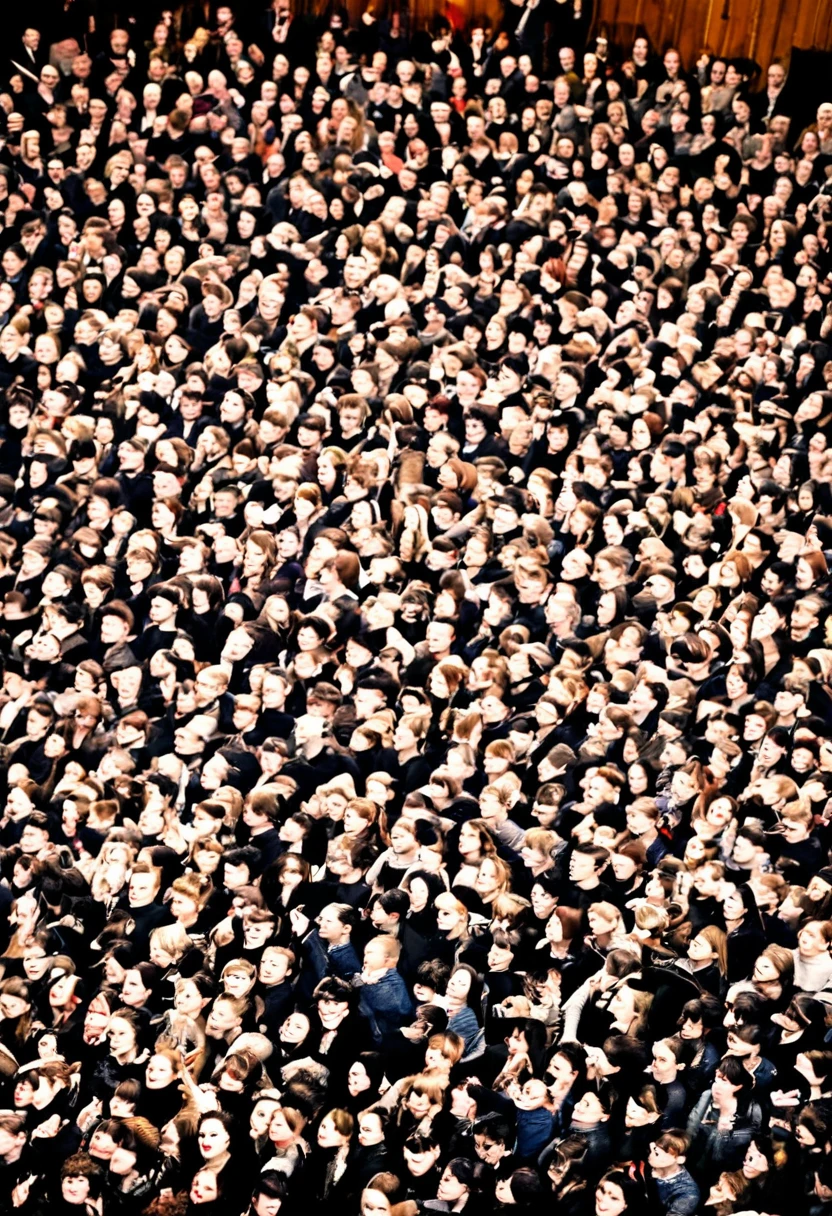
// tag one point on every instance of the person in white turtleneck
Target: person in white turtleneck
(812, 961)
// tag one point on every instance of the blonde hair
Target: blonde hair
(654, 919)
(466, 724)
(607, 910)
(502, 795)
(392, 946)
(782, 959)
(448, 902)
(429, 1084)
(717, 940)
(197, 887)
(509, 782)
(508, 906)
(641, 1004)
(232, 799)
(449, 1044)
(541, 839)
(342, 1121)
(363, 807)
(172, 939)
(239, 964)
(502, 871)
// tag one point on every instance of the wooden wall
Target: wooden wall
(757, 29)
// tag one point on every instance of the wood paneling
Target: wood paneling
(758, 29)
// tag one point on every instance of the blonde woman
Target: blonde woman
(443, 1052)
(454, 927)
(606, 927)
(333, 797)
(651, 924)
(232, 800)
(111, 871)
(30, 154)
(629, 1008)
(707, 959)
(359, 818)
(309, 509)
(189, 897)
(414, 540)
(168, 946)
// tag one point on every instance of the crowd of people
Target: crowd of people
(416, 715)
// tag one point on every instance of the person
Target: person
(724, 1120)
(268, 1195)
(672, 1184)
(385, 1001)
(415, 639)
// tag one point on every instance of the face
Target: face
(543, 903)
(811, 941)
(273, 967)
(609, 1199)
(328, 1134)
(450, 1189)
(402, 839)
(182, 906)
(12, 1006)
(204, 1188)
(75, 1189)
(294, 1029)
(133, 992)
(261, 1117)
(159, 1072)
(720, 813)
(588, 1110)
(447, 919)
(266, 1205)
(660, 1158)
(487, 880)
(24, 1092)
(370, 1129)
(213, 1139)
(581, 867)
(122, 1037)
(188, 1000)
(237, 983)
(374, 1203)
(700, 949)
(459, 985)
(622, 1006)
(733, 906)
(755, 1162)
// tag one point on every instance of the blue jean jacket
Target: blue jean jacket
(679, 1195)
(386, 1004)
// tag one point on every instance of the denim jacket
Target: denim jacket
(714, 1149)
(679, 1195)
(386, 1004)
(341, 962)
